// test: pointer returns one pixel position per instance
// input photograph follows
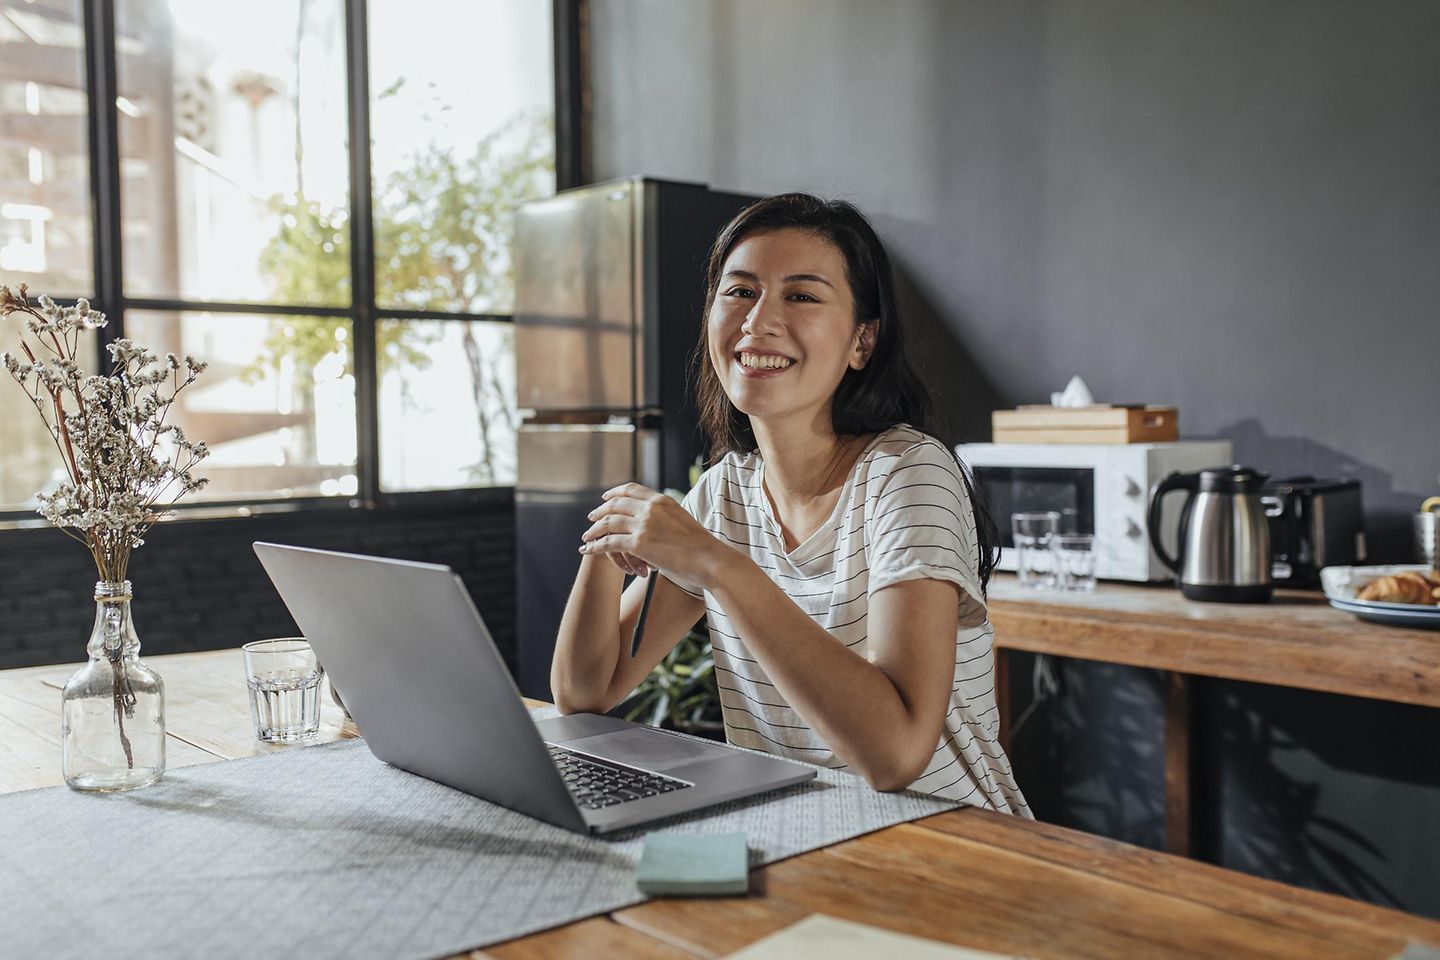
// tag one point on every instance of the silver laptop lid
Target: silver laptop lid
(421, 675)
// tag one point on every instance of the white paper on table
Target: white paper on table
(828, 938)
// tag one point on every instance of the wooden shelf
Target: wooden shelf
(1298, 640)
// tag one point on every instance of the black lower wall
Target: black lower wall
(198, 585)
(1334, 793)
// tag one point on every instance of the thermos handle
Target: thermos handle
(1176, 481)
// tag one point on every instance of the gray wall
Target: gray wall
(1233, 207)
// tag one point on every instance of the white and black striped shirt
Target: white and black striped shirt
(902, 514)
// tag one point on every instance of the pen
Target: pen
(644, 611)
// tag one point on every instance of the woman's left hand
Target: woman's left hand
(652, 527)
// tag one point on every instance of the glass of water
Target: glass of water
(1075, 562)
(1034, 535)
(284, 679)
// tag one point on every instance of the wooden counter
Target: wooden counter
(1298, 640)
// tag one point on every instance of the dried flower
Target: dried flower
(124, 464)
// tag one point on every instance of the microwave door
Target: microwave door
(1069, 491)
(575, 300)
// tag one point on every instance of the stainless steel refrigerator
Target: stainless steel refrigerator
(609, 287)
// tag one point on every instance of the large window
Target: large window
(358, 332)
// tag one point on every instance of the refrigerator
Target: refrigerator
(609, 289)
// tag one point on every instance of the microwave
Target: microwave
(1100, 489)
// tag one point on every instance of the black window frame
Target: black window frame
(569, 29)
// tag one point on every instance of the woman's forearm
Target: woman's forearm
(589, 638)
(850, 703)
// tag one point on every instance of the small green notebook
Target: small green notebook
(694, 865)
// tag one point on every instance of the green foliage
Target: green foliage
(442, 242)
(308, 261)
(681, 693)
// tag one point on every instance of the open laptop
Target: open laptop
(422, 677)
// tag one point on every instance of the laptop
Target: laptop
(422, 677)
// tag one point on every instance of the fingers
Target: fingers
(607, 525)
(630, 566)
(628, 506)
(616, 545)
(636, 491)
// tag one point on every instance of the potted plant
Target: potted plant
(124, 465)
(681, 692)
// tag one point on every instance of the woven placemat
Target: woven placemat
(326, 852)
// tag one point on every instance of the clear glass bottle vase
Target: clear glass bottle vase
(113, 707)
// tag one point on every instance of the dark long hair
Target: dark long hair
(885, 392)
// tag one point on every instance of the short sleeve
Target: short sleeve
(922, 522)
(697, 503)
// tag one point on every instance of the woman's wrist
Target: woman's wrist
(722, 567)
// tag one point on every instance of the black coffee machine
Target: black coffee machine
(1313, 523)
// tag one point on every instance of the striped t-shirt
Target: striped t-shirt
(902, 514)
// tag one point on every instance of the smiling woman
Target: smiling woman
(835, 548)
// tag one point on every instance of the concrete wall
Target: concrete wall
(1233, 206)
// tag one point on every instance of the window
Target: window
(45, 223)
(358, 333)
(456, 148)
(45, 229)
(234, 168)
(276, 406)
(447, 404)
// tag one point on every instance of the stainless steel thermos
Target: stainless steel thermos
(1224, 537)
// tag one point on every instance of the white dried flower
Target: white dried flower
(123, 462)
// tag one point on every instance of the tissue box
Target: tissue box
(1102, 423)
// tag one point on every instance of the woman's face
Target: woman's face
(782, 328)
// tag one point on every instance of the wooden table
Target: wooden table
(968, 877)
(1298, 640)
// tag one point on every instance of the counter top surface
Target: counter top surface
(1297, 640)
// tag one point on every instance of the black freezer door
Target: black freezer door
(564, 469)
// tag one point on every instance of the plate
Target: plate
(1341, 583)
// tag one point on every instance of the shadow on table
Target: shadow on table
(407, 836)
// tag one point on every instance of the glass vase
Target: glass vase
(113, 708)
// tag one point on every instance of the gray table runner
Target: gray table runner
(325, 851)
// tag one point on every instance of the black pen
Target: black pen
(644, 611)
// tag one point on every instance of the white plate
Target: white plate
(1341, 584)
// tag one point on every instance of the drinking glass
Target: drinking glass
(284, 679)
(1075, 562)
(1427, 532)
(1034, 534)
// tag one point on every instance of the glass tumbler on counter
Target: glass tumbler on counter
(284, 679)
(1075, 562)
(1034, 535)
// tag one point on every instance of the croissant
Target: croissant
(1407, 587)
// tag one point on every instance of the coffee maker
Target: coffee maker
(1314, 523)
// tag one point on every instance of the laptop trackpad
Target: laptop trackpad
(647, 748)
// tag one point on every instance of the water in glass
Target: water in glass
(1033, 535)
(1075, 562)
(284, 679)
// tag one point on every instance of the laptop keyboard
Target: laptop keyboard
(596, 783)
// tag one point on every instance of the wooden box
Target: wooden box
(1102, 423)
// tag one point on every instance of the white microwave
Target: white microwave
(1102, 489)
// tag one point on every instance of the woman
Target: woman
(834, 547)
